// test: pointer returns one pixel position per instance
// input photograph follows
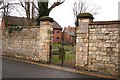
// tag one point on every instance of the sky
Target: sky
(63, 14)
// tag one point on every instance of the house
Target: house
(57, 33)
(21, 21)
(69, 35)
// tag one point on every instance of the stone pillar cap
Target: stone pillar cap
(46, 18)
(85, 15)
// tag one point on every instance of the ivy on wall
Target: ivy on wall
(14, 28)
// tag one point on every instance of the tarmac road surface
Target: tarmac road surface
(18, 69)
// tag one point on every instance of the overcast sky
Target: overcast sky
(63, 14)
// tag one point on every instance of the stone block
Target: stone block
(103, 53)
(94, 48)
(90, 44)
(94, 37)
(81, 49)
(99, 57)
(85, 49)
(106, 44)
(113, 60)
(106, 58)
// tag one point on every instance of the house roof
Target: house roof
(12, 20)
(70, 30)
(56, 25)
(22, 21)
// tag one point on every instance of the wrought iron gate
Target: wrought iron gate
(63, 54)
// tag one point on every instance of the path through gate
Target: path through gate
(64, 57)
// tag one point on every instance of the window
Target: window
(57, 31)
(57, 38)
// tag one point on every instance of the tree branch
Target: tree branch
(55, 4)
(35, 5)
(22, 5)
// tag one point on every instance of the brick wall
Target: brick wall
(57, 35)
(32, 43)
(98, 46)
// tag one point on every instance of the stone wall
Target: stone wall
(98, 46)
(104, 48)
(32, 43)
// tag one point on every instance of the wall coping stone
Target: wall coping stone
(46, 18)
(85, 15)
(31, 27)
(105, 22)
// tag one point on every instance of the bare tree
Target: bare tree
(33, 10)
(81, 6)
(26, 7)
(45, 11)
(5, 9)
(30, 7)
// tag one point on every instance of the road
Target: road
(18, 69)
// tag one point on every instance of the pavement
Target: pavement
(15, 68)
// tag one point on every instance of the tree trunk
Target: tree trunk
(33, 8)
(27, 5)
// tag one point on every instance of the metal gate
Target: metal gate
(63, 54)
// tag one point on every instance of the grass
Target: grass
(68, 57)
(55, 58)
